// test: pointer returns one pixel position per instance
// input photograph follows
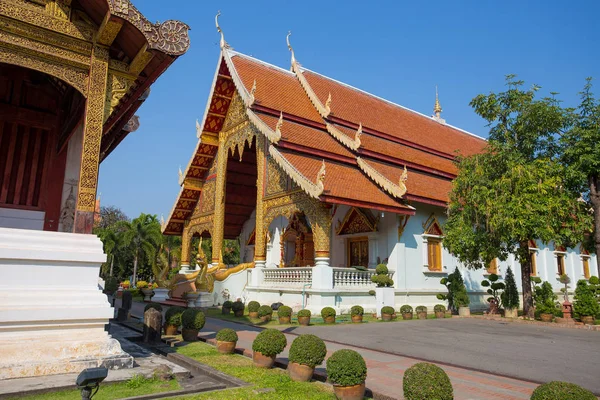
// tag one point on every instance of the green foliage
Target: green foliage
(193, 318)
(594, 280)
(265, 310)
(510, 295)
(173, 315)
(111, 284)
(357, 310)
(381, 278)
(269, 342)
(304, 313)
(327, 312)
(227, 304)
(557, 390)
(457, 292)
(372, 293)
(284, 311)
(439, 308)
(586, 303)
(381, 269)
(227, 335)
(237, 306)
(545, 299)
(346, 368)
(231, 252)
(387, 310)
(406, 309)
(308, 350)
(494, 286)
(109, 217)
(156, 306)
(253, 306)
(421, 309)
(425, 381)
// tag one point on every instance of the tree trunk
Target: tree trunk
(595, 200)
(525, 261)
(112, 260)
(135, 260)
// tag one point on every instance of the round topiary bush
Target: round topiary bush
(307, 350)
(387, 310)
(304, 313)
(253, 306)
(284, 311)
(227, 335)
(193, 318)
(269, 342)
(265, 310)
(156, 306)
(406, 309)
(425, 381)
(327, 312)
(381, 269)
(237, 306)
(439, 308)
(557, 390)
(594, 280)
(227, 304)
(346, 368)
(357, 310)
(173, 315)
(421, 309)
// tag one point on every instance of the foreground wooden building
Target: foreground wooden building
(72, 75)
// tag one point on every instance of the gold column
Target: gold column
(259, 236)
(219, 219)
(321, 233)
(94, 117)
(185, 247)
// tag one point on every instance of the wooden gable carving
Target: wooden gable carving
(357, 220)
(432, 226)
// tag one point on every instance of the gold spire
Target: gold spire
(437, 108)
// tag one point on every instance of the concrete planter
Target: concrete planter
(226, 347)
(422, 315)
(304, 321)
(357, 319)
(148, 293)
(545, 317)
(299, 372)
(262, 361)
(189, 335)
(464, 311)
(511, 313)
(407, 315)
(160, 294)
(356, 392)
(266, 318)
(587, 320)
(329, 320)
(285, 320)
(440, 314)
(386, 317)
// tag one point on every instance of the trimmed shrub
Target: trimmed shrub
(156, 306)
(381, 279)
(510, 296)
(421, 309)
(425, 381)
(111, 285)
(269, 342)
(495, 288)
(284, 311)
(227, 335)
(439, 308)
(545, 299)
(173, 316)
(357, 310)
(265, 310)
(307, 350)
(346, 368)
(457, 292)
(585, 300)
(387, 310)
(227, 304)
(192, 318)
(594, 280)
(237, 306)
(406, 309)
(327, 312)
(304, 313)
(381, 269)
(253, 306)
(557, 390)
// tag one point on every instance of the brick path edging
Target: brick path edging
(578, 325)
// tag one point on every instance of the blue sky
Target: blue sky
(398, 50)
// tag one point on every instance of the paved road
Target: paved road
(522, 351)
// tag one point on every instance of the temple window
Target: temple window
(585, 260)
(533, 251)
(433, 237)
(560, 253)
(493, 267)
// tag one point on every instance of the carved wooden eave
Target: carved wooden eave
(310, 188)
(352, 144)
(323, 109)
(170, 217)
(396, 190)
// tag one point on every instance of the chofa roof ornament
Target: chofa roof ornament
(287, 39)
(223, 44)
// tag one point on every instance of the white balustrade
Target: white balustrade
(287, 277)
(352, 278)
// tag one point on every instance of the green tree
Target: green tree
(516, 189)
(142, 237)
(109, 216)
(111, 242)
(510, 296)
(581, 151)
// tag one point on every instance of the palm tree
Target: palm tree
(111, 240)
(143, 237)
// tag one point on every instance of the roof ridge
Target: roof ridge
(237, 53)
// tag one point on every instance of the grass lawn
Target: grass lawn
(276, 380)
(136, 386)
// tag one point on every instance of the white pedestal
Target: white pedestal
(322, 275)
(52, 312)
(160, 295)
(204, 300)
(384, 297)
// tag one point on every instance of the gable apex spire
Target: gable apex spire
(437, 108)
(287, 39)
(223, 44)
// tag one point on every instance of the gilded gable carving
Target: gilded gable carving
(277, 180)
(207, 198)
(357, 220)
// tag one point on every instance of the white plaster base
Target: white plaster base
(384, 297)
(160, 295)
(204, 300)
(51, 311)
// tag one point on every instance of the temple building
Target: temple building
(73, 73)
(320, 182)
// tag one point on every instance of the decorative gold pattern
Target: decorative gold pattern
(207, 201)
(109, 29)
(357, 221)
(259, 234)
(277, 180)
(314, 190)
(219, 213)
(395, 190)
(59, 8)
(117, 87)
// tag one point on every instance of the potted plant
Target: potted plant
(406, 311)
(384, 292)
(284, 313)
(306, 352)
(226, 340)
(561, 390)
(266, 346)
(265, 313)
(304, 317)
(328, 314)
(495, 289)
(421, 312)
(156, 306)
(125, 284)
(356, 313)
(253, 307)
(545, 301)
(145, 289)
(425, 381)
(439, 310)
(347, 371)
(192, 320)
(226, 309)
(386, 313)
(510, 295)
(238, 308)
(457, 293)
(586, 306)
(191, 298)
(461, 300)
(173, 320)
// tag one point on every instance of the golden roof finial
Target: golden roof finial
(287, 39)
(223, 44)
(437, 108)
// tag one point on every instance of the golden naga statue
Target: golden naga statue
(205, 281)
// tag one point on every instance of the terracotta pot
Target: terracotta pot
(329, 320)
(464, 311)
(422, 315)
(285, 320)
(262, 361)
(511, 313)
(253, 314)
(386, 317)
(299, 372)
(226, 347)
(266, 318)
(171, 330)
(407, 315)
(546, 317)
(189, 335)
(357, 319)
(238, 313)
(440, 314)
(225, 310)
(356, 392)
(394, 316)
(588, 320)
(304, 321)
